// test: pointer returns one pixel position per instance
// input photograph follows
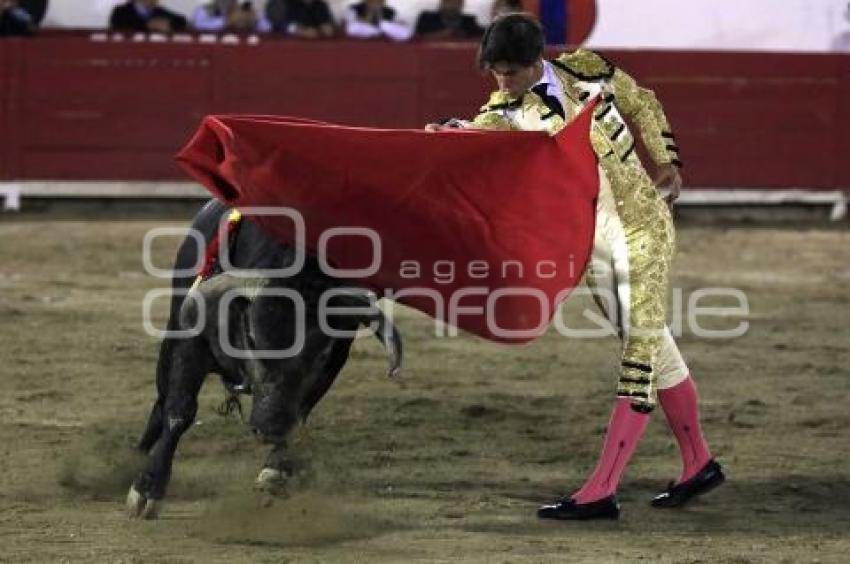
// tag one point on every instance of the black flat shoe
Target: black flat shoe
(703, 482)
(568, 510)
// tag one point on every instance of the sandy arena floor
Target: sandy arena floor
(446, 465)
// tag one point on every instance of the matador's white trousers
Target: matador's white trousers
(611, 280)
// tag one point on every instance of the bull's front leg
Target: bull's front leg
(186, 374)
(273, 418)
(278, 470)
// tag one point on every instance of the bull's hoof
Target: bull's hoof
(272, 482)
(140, 507)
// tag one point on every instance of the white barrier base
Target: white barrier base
(836, 199)
(98, 189)
(13, 192)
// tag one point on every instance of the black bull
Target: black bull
(284, 390)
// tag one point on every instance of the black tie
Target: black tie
(551, 102)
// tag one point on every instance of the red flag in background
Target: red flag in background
(495, 224)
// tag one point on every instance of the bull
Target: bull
(284, 388)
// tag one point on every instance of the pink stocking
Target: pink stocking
(681, 406)
(625, 429)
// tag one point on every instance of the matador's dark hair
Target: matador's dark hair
(516, 39)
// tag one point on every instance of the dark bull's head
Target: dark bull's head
(286, 338)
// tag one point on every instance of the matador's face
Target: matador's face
(516, 79)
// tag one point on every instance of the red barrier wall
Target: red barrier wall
(4, 111)
(10, 61)
(71, 108)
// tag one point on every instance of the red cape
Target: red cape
(498, 221)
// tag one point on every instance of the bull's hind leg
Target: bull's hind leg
(174, 413)
(153, 428)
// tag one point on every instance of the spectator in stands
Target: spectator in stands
(373, 19)
(448, 22)
(35, 8)
(501, 7)
(841, 43)
(229, 15)
(307, 19)
(147, 16)
(14, 20)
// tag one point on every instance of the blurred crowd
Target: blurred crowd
(305, 19)
(16, 19)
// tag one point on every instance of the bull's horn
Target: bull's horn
(219, 284)
(385, 329)
(390, 337)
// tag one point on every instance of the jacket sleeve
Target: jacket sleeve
(489, 119)
(492, 114)
(643, 108)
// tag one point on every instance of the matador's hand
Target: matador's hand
(669, 182)
(451, 123)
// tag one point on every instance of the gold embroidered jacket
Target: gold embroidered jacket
(629, 197)
(584, 74)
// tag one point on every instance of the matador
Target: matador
(633, 247)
